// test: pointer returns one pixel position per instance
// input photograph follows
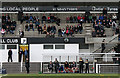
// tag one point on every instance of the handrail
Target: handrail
(22, 63)
(106, 43)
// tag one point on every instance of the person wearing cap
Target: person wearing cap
(81, 62)
(87, 66)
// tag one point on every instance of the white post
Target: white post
(96, 68)
(22, 63)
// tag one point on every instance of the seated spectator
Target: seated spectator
(93, 33)
(39, 29)
(110, 23)
(37, 23)
(80, 28)
(26, 18)
(53, 29)
(31, 17)
(3, 32)
(50, 67)
(45, 30)
(43, 18)
(26, 27)
(75, 29)
(117, 31)
(71, 19)
(66, 67)
(71, 31)
(67, 31)
(75, 19)
(59, 32)
(61, 69)
(78, 18)
(67, 20)
(51, 18)
(48, 29)
(63, 32)
(101, 17)
(31, 26)
(21, 33)
(73, 67)
(107, 24)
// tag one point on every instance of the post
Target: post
(22, 63)
(96, 68)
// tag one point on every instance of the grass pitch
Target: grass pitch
(61, 76)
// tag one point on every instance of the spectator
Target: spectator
(26, 27)
(114, 25)
(3, 32)
(103, 46)
(80, 28)
(73, 67)
(31, 26)
(93, 33)
(50, 67)
(63, 32)
(53, 29)
(114, 17)
(10, 55)
(20, 54)
(66, 67)
(39, 29)
(81, 62)
(37, 23)
(87, 66)
(44, 30)
(56, 65)
(26, 53)
(59, 32)
(44, 18)
(71, 19)
(21, 33)
(51, 18)
(67, 31)
(27, 65)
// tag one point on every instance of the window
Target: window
(83, 46)
(2, 46)
(11, 46)
(59, 46)
(48, 46)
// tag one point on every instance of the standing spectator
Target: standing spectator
(56, 65)
(114, 17)
(26, 53)
(103, 46)
(10, 55)
(20, 54)
(27, 65)
(114, 25)
(39, 29)
(50, 67)
(87, 66)
(81, 62)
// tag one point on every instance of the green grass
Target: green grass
(62, 76)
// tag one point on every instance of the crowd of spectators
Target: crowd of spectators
(8, 25)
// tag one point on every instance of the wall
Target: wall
(38, 54)
(4, 54)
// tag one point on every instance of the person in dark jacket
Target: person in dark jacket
(66, 66)
(20, 54)
(10, 55)
(81, 62)
(50, 67)
(39, 29)
(27, 65)
(87, 66)
(21, 34)
(56, 65)
(103, 46)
